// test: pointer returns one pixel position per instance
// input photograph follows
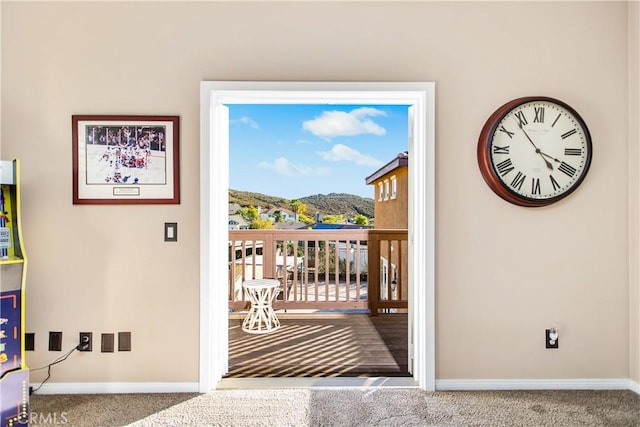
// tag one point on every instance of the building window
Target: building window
(380, 191)
(386, 189)
(394, 187)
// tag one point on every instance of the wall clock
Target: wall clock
(534, 151)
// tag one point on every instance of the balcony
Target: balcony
(321, 346)
(358, 270)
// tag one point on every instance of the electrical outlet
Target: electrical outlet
(549, 342)
(85, 341)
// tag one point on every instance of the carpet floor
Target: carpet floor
(337, 407)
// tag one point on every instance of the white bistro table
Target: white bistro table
(261, 318)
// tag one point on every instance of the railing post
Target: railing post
(373, 279)
(269, 256)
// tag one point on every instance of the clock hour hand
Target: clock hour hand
(542, 155)
(550, 157)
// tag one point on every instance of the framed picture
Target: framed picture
(125, 159)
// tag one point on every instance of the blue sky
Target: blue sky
(293, 151)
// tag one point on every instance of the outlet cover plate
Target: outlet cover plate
(548, 340)
(107, 343)
(89, 340)
(170, 231)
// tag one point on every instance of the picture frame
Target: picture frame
(119, 159)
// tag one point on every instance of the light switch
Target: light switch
(170, 231)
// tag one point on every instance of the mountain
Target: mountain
(339, 203)
(245, 198)
(348, 205)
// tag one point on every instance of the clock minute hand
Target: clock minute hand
(549, 165)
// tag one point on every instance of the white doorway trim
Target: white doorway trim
(214, 184)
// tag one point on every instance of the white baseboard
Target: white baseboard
(441, 385)
(568, 384)
(112, 388)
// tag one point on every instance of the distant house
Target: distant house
(273, 213)
(291, 225)
(234, 208)
(391, 207)
(236, 222)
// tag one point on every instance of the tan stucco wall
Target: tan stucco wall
(392, 212)
(504, 273)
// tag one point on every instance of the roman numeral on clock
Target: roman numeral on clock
(539, 118)
(568, 134)
(535, 185)
(504, 130)
(518, 181)
(572, 151)
(500, 150)
(567, 169)
(522, 120)
(554, 183)
(504, 167)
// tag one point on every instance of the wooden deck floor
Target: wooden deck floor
(321, 346)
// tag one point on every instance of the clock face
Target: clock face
(534, 151)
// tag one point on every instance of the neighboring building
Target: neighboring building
(234, 208)
(236, 222)
(272, 213)
(391, 197)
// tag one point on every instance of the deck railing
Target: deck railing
(322, 269)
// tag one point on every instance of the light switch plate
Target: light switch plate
(170, 231)
(124, 341)
(107, 343)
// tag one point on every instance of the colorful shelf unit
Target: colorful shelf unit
(14, 373)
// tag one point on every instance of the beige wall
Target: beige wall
(504, 273)
(634, 193)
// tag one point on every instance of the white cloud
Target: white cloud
(245, 121)
(282, 166)
(342, 153)
(342, 123)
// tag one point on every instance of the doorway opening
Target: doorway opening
(215, 98)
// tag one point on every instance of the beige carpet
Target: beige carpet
(346, 407)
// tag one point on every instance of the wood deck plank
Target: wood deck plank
(317, 346)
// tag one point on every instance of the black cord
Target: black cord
(58, 360)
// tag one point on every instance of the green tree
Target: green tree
(297, 207)
(249, 213)
(261, 224)
(329, 219)
(305, 219)
(361, 220)
(333, 219)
